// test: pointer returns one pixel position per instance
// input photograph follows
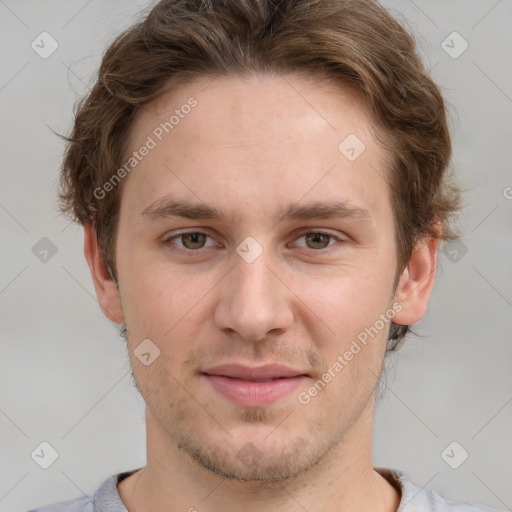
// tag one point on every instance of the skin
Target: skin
(249, 146)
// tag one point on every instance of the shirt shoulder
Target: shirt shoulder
(105, 499)
(424, 499)
(414, 498)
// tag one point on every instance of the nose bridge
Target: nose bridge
(254, 301)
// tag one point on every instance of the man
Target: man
(263, 188)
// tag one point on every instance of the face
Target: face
(255, 253)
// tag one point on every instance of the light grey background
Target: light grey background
(64, 369)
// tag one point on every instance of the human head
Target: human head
(247, 141)
(356, 44)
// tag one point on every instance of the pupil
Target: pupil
(195, 238)
(317, 236)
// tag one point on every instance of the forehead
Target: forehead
(233, 102)
(270, 140)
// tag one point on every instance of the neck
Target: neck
(343, 480)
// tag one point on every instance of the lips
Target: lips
(260, 373)
(254, 386)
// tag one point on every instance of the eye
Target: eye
(192, 241)
(318, 240)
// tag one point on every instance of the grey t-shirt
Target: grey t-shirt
(414, 498)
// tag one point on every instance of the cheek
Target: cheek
(161, 301)
(351, 337)
(346, 302)
(160, 386)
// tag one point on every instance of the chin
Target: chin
(252, 456)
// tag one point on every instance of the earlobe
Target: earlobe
(417, 281)
(106, 288)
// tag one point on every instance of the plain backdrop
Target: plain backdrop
(64, 370)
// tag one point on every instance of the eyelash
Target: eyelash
(173, 247)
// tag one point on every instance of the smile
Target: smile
(254, 387)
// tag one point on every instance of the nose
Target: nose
(256, 301)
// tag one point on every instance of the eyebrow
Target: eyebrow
(168, 207)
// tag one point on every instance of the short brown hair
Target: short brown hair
(354, 43)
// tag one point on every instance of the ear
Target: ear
(105, 286)
(417, 281)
